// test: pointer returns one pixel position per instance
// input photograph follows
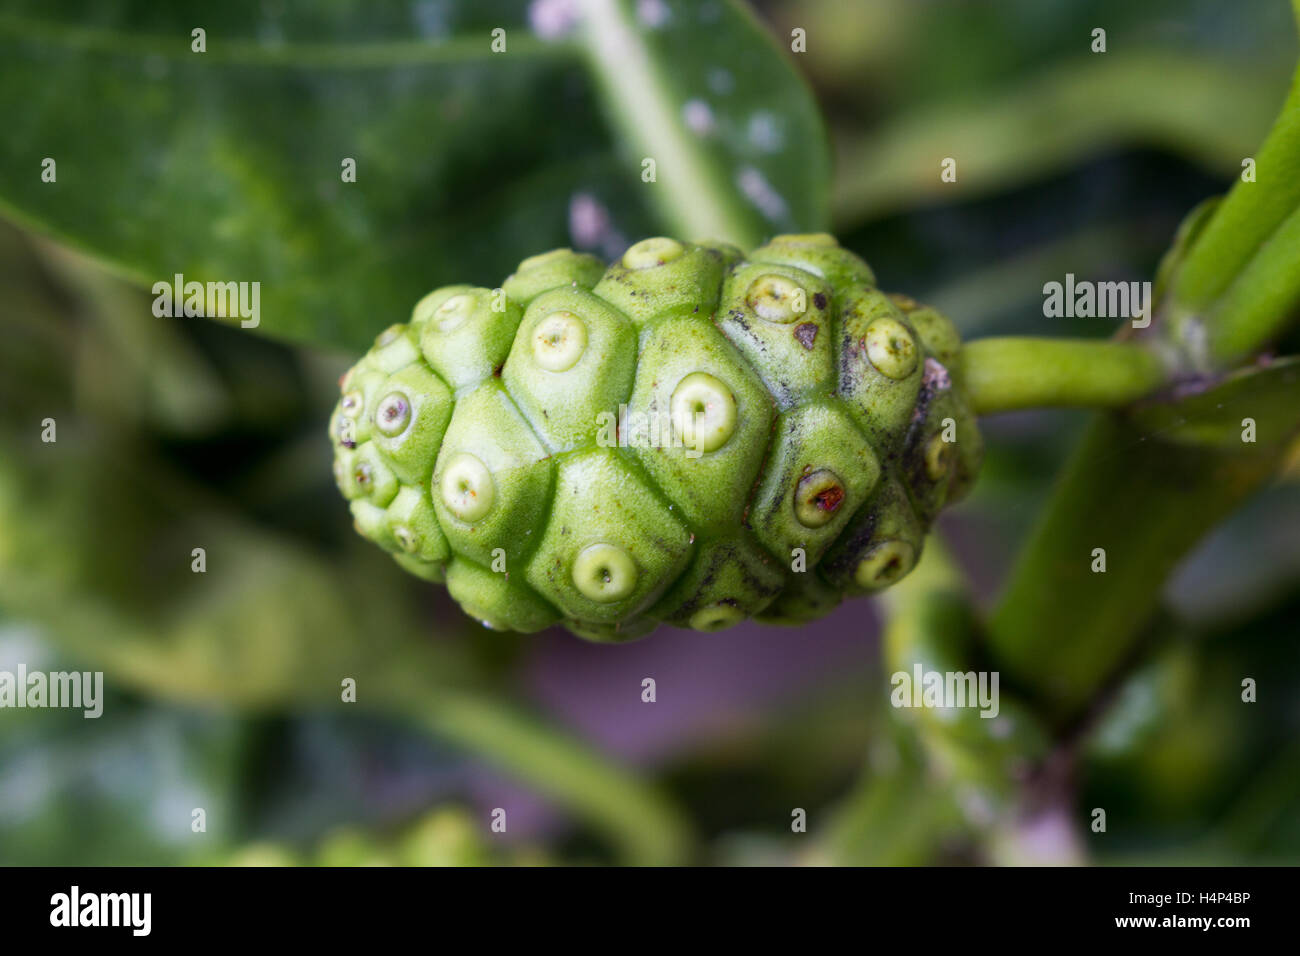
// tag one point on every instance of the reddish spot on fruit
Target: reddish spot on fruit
(830, 499)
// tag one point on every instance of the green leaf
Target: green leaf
(1209, 110)
(225, 165)
(732, 162)
(1216, 416)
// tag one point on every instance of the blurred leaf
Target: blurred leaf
(225, 165)
(910, 54)
(160, 379)
(1200, 772)
(1212, 111)
(270, 626)
(900, 813)
(984, 301)
(1268, 396)
(116, 790)
(645, 826)
(97, 531)
(1246, 566)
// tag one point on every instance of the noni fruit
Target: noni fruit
(690, 436)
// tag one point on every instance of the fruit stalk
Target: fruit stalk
(1007, 374)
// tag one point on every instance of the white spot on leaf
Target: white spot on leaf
(765, 132)
(552, 19)
(591, 227)
(698, 117)
(431, 18)
(653, 13)
(760, 192)
(721, 81)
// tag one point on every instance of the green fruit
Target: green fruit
(689, 436)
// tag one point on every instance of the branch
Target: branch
(1239, 285)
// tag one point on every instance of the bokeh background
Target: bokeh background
(222, 687)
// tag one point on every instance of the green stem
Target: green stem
(1263, 299)
(1237, 287)
(1127, 507)
(1249, 214)
(637, 819)
(1006, 374)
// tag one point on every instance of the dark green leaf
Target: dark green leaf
(1269, 397)
(225, 166)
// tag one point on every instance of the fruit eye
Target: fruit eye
(393, 414)
(605, 573)
(467, 488)
(703, 412)
(649, 253)
(407, 539)
(454, 312)
(884, 564)
(559, 341)
(777, 299)
(716, 617)
(818, 498)
(938, 458)
(890, 348)
(351, 403)
(347, 432)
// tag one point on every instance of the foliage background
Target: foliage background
(182, 433)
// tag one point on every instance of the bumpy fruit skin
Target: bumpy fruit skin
(690, 436)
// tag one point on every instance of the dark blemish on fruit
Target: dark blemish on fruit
(806, 334)
(819, 300)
